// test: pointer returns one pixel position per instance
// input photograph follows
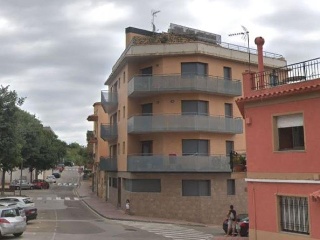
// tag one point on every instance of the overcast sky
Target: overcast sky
(58, 53)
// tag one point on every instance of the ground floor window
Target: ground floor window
(231, 187)
(196, 188)
(114, 182)
(294, 215)
(142, 185)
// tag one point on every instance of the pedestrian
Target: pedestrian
(232, 216)
(127, 206)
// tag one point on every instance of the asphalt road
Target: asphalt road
(63, 216)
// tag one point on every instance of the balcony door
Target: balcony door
(146, 71)
(146, 109)
(146, 148)
(194, 69)
(197, 147)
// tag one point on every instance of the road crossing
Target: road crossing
(169, 230)
(66, 184)
(56, 199)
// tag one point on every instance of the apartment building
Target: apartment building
(280, 109)
(98, 149)
(173, 123)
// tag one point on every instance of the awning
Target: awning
(315, 195)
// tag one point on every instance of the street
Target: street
(63, 216)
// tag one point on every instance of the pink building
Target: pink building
(281, 112)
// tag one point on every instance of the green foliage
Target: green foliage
(77, 154)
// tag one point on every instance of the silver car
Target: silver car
(11, 222)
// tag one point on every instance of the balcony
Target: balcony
(109, 132)
(150, 85)
(109, 101)
(109, 164)
(161, 163)
(92, 118)
(184, 123)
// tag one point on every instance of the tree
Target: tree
(77, 154)
(10, 144)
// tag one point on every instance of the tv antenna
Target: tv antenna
(154, 14)
(245, 36)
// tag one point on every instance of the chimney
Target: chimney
(259, 41)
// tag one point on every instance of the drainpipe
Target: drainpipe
(259, 41)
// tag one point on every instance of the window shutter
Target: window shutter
(294, 120)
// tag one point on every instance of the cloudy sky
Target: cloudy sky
(58, 53)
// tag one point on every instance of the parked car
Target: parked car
(56, 174)
(240, 218)
(25, 203)
(243, 227)
(23, 184)
(40, 184)
(60, 167)
(51, 179)
(11, 204)
(11, 222)
(20, 201)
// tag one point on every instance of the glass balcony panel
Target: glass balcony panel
(161, 163)
(108, 132)
(149, 85)
(184, 123)
(108, 164)
(109, 101)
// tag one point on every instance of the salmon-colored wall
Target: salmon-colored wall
(263, 197)
(261, 154)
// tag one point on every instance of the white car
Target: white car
(11, 221)
(51, 179)
(20, 201)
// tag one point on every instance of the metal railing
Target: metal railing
(298, 72)
(183, 83)
(171, 163)
(108, 131)
(184, 123)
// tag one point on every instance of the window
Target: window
(196, 188)
(146, 71)
(124, 77)
(114, 182)
(123, 147)
(146, 109)
(229, 147)
(110, 181)
(118, 115)
(290, 134)
(193, 107)
(124, 112)
(119, 83)
(227, 73)
(228, 110)
(194, 68)
(118, 148)
(142, 185)
(231, 187)
(294, 216)
(195, 147)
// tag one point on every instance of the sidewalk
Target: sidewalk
(108, 211)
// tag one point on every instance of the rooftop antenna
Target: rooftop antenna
(154, 12)
(245, 36)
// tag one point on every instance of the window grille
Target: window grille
(294, 214)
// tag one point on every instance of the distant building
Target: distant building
(172, 124)
(280, 110)
(98, 149)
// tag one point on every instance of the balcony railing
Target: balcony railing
(109, 101)
(298, 72)
(149, 85)
(184, 123)
(108, 132)
(108, 164)
(161, 163)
